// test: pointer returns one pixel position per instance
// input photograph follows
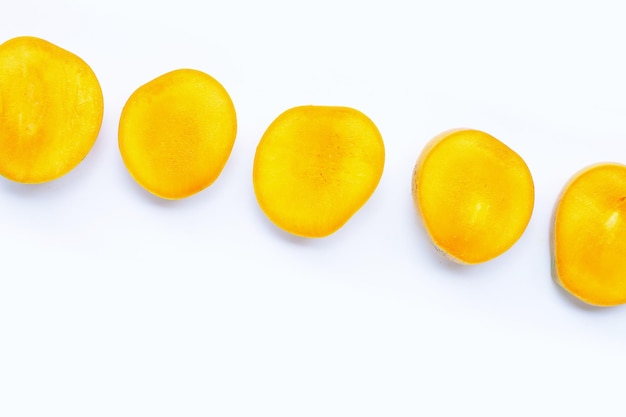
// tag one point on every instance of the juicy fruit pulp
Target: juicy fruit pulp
(51, 110)
(474, 194)
(176, 133)
(315, 166)
(589, 235)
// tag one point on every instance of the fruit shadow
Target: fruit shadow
(146, 196)
(48, 189)
(29, 190)
(572, 300)
(283, 235)
(438, 257)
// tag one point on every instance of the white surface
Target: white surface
(115, 303)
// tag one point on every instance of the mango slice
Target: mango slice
(51, 110)
(589, 235)
(315, 167)
(474, 194)
(176, 133)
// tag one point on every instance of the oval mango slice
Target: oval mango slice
(589, 235)
(315, 167)
(474, 194)
(176, 133)
(51, 110)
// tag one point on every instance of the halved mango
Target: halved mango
(589, 235)
(316, 166)
(176, 133)
(474, 194)
(51, 110)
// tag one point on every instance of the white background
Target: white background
(116, 303)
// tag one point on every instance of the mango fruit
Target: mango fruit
(473, 193)
(176, 133)
(588, 235)
(51, 110)
(315, 167)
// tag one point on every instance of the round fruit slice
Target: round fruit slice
(51, 110)
(589, 235)
(474, 194)
(176, 133)
(316, 166)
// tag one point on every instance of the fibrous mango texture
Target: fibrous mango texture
(589, 235)
(474, 194)
(51, 110)
(315, 167)
(176, 133)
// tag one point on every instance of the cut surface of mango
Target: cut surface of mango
(316, 166)
(474, 194)
(589, 235)
(176, 133)
(51, 110)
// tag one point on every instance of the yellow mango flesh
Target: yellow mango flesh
(51, 110)
(176, 133)
(589, 235)
(474, 194)
(315, 167)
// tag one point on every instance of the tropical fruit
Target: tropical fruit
(589, 235)
(316, 166)
(176, 133)
(474, 194)
(51, 110)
